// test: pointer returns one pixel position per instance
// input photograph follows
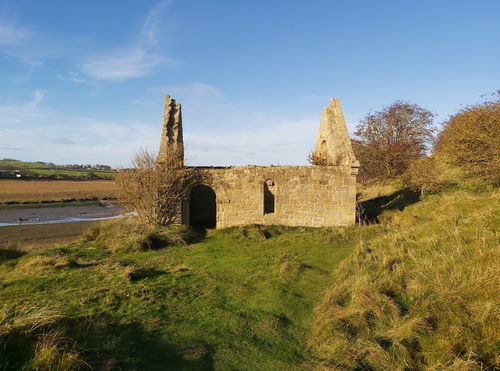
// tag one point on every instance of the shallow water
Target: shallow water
(52, 215)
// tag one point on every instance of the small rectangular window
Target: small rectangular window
(269, 196)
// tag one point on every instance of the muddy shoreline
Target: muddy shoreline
(52, 215)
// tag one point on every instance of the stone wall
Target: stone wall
(303, 195)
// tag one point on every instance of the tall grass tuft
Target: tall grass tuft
(422, 296)
(30, 340)
(130, 234)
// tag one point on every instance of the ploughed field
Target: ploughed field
(32, 191)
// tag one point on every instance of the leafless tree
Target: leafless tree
(154, 187)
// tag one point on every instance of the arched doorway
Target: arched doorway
(202, 207)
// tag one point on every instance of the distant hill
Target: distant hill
(15, 169)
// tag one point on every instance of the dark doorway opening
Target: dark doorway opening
(202, 207)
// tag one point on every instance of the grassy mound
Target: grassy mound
(236, 298)
(423, 295)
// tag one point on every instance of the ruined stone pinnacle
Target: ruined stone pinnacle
(171, 134)
(333, 140)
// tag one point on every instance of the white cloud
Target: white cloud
(125, 64)
(136, 60)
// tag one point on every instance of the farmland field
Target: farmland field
(20, 191)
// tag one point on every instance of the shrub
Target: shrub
(471, 140)
(424, 175)
(318, 159)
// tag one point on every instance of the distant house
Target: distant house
(9, 174)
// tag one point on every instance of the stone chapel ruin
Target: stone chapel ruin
(313, 196)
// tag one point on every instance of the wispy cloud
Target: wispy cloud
(23, 43)
(11, 33)
(138, 59)
(39, 95)
(125, 64)
(22, 113)
(77, 78)
(151, 25)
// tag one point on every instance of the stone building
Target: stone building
(285, 195)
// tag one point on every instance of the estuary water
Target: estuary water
(52, 215)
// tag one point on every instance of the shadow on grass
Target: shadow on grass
(141, 273)
(108, 345)
(188, 236)
(369, 210)
(9, 251)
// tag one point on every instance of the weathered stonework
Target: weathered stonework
(171, 135)
(285, 195)
(333, 139)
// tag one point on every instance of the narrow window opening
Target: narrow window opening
(269, 196)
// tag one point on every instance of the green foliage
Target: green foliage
(471, 140)
(389, 140)
(429, 175)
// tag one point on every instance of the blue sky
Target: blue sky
(83, 81)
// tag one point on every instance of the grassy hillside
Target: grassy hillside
(423, 295)
(417, 291)
(33, 170)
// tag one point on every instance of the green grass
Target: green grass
(74, 173)
(237, 299)
(417, 291)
